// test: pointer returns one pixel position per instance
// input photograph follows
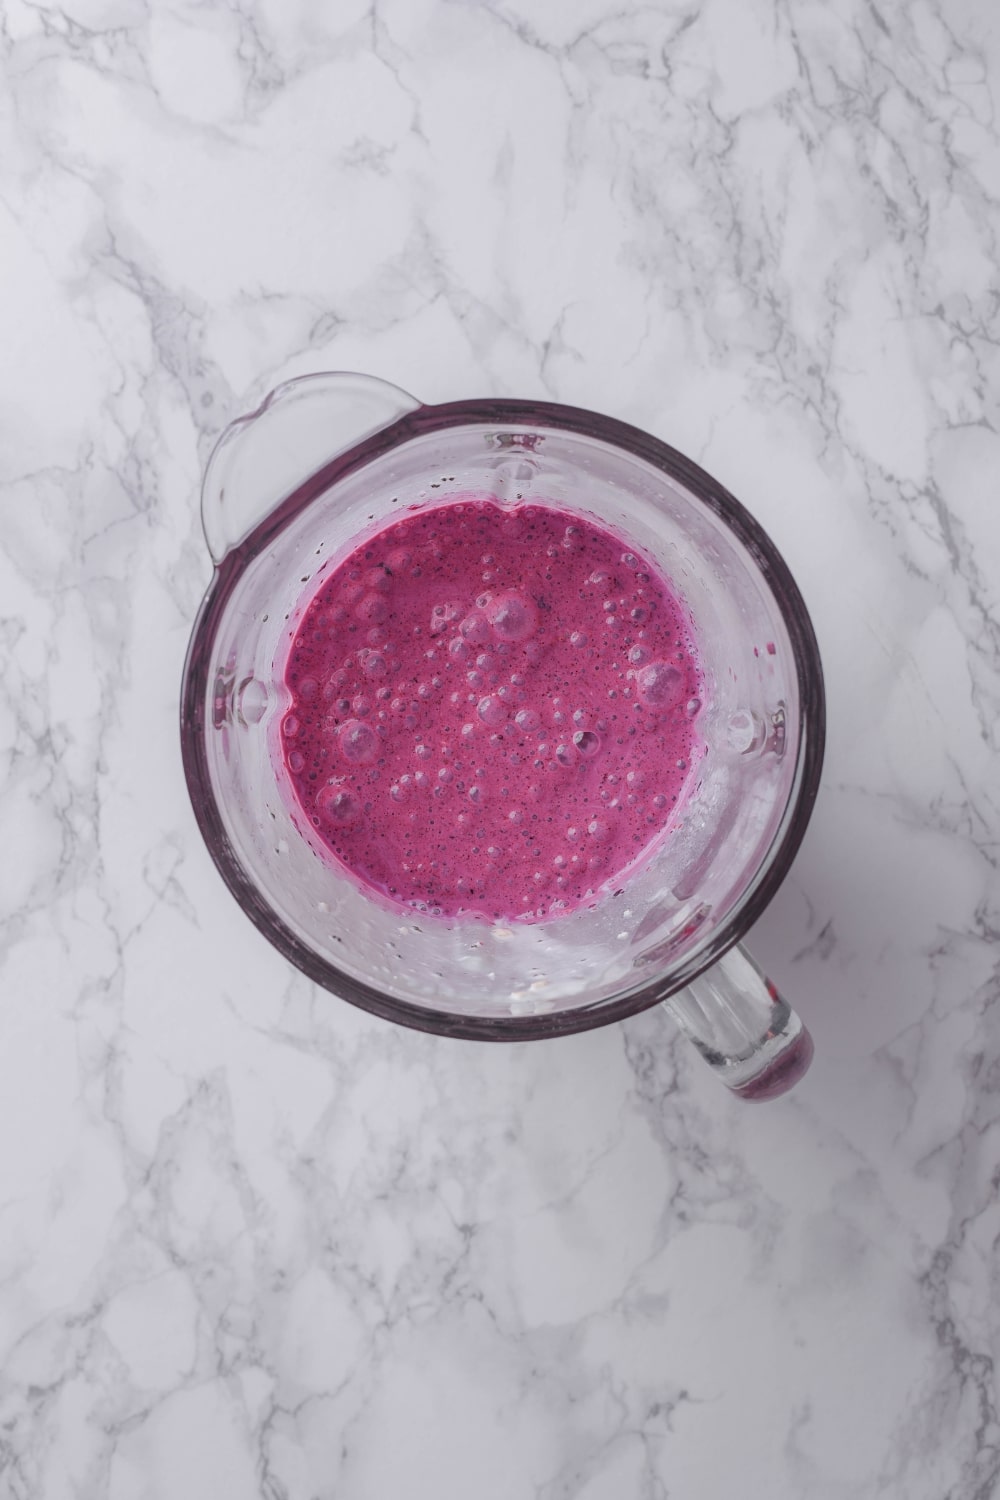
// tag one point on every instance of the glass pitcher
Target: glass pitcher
(288, 490)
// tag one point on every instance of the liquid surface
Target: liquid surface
(492, 710)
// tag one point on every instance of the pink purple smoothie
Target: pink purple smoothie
(492, 710)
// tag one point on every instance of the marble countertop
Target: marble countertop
(256, 1243)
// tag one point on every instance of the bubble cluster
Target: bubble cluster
(493, 711)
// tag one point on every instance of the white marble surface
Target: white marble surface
(255, 1243)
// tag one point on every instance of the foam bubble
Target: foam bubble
(338, 806)
(587, 742)
(659, 684)
(357, 742)
(374, 664)
(527, 719)
(475, 628)
(512, 616)
(492, 712)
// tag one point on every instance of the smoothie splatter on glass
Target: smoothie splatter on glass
(493, 710)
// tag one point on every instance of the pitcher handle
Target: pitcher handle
(302, 424)
(747, 1033)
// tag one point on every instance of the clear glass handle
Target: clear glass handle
(301, 425)
(749, 1036)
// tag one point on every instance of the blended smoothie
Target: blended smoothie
(493, 710)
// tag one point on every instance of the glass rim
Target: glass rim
(509, 412)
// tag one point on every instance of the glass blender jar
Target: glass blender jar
(288, 489)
